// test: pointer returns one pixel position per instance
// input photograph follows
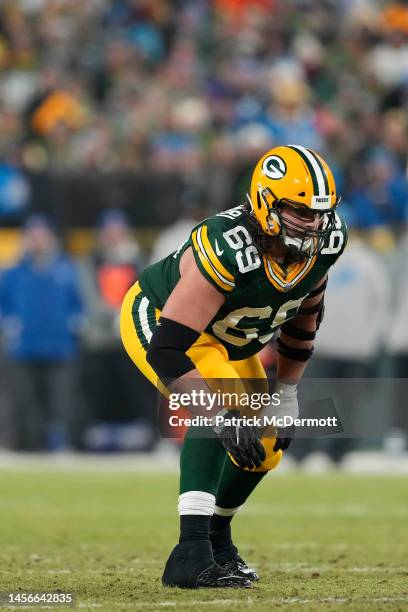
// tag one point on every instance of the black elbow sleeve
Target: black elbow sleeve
(167, 349)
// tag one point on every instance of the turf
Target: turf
(335, 542)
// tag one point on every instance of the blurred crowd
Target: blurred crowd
(69, 382)
(197, 89)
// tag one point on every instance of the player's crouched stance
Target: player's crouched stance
(205, 311)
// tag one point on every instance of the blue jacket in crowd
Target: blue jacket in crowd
(41, 309)
(380, 207)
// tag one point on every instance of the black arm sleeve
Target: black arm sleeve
(167, 349)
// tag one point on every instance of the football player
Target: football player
(205, 312)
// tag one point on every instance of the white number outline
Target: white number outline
(236, 242)
(220, 328)
(332, 248)
(231, 213)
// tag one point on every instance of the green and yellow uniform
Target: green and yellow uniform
(260, 296)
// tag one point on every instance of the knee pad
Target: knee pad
(272, 458)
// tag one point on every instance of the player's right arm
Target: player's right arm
(207, 276)
(190, 307)
(188, 310)
(194, 301)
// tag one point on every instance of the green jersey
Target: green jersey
(260, 295)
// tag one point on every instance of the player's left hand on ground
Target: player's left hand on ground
(284, 437)
(242, 442)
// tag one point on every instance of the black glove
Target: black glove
(284, 437)
(242, 442)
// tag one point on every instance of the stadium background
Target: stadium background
(125, 122)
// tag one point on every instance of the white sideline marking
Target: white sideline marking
(295, 545)
(38, 607)
(303, 567)
(357, 462)
(76, 462)
(359, 510)
(278, 567)
(283, 567)
(249, 602)
(228, 602)
(81, 604)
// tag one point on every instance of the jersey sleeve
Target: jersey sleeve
(211, 255)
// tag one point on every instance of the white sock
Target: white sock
(196, 502)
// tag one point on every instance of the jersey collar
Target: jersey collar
(284, 280)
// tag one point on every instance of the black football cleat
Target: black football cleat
(218, 577)
(226, 555)
(191, 565)
(238, 566)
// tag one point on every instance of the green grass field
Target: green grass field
(333, 542)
